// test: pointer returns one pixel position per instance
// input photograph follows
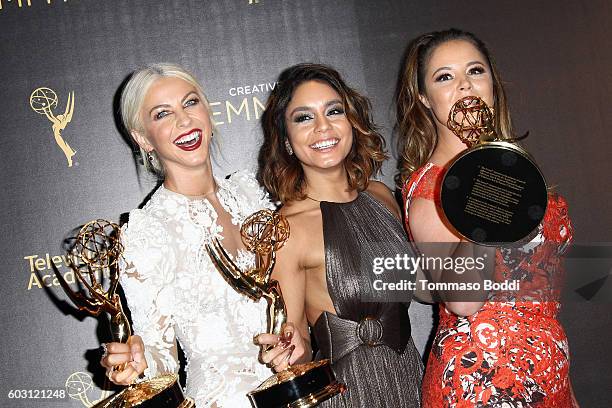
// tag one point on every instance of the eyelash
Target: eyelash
(302, 118)
(336, 110)
(477, 70)
(194, 100)
(444, 77)
(472, 71)
(162, 114)
(332, 111)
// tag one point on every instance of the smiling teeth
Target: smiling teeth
(192, 137)
(324, 144)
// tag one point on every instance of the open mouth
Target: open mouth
(324, 144)
(189, 141)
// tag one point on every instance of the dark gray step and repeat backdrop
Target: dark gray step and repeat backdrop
(64, 161)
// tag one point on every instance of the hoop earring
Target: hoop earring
(288, 147)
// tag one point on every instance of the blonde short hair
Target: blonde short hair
(134, 92)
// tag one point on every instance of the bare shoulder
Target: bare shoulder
(299, 213)
(384, 195)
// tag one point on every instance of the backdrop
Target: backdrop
(65, 162)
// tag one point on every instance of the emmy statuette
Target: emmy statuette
(299, 386)
(95, 253)
(493, 192)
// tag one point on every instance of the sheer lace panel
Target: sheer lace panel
(175, 293)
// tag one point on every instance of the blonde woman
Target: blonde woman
(173, 291)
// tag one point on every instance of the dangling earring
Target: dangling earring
(150, 156)
(288, 147)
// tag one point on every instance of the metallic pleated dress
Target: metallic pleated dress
(368, 339)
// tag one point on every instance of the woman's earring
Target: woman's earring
(150, 156)
(288, 147)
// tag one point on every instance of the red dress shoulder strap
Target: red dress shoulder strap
(423, 183)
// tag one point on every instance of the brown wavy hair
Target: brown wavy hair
(281, 174)
(415, 130)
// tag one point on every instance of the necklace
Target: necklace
(200, 196)
(313, 199)
(337, 202)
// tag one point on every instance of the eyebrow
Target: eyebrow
(165, 105)
(449, 68)
(307, 108)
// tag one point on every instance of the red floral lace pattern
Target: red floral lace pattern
(510, 354)
(424, 183)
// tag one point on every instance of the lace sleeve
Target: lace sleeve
(146, 275)
(243, 195)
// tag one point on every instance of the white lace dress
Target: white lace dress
(175, 293)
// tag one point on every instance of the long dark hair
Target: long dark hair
(415, 131)
(281, 173)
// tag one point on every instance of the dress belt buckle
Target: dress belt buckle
(370, 331)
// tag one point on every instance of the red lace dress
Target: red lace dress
(511, 353)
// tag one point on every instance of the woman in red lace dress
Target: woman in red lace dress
(508, 351)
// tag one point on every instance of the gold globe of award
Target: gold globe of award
(493, 192)
(94, 256)
(299, 386)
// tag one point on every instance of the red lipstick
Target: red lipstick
(190, 140)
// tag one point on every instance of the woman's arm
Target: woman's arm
(144, 271)
(293, 346)
(436, 241)
(152, 352)
(384, 195)
(149, 300)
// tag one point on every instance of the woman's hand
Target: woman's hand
(279, 352)
(130, 356)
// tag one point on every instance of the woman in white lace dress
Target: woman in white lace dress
(173, 291)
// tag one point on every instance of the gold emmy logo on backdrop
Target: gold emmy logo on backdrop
(253, 1)
(20, 3)
(43, 101)
(79, 384)
(27, 3)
